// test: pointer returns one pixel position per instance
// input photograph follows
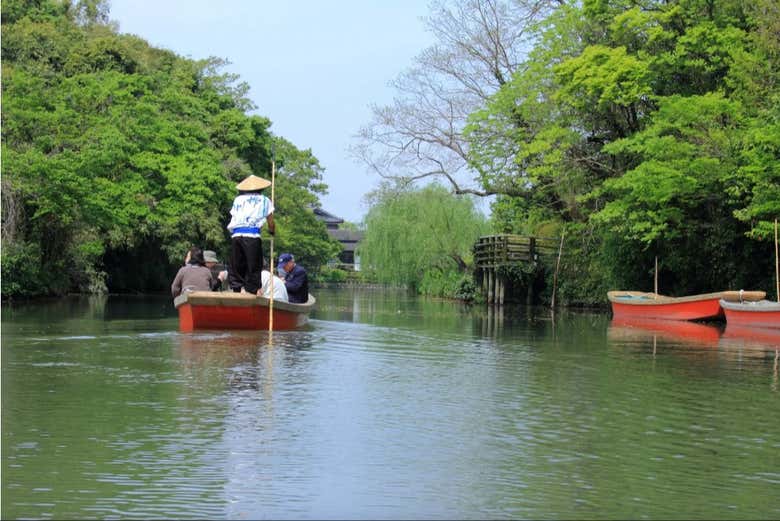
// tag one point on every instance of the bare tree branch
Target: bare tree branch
(480, 45)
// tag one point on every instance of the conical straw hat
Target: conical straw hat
(253, 183)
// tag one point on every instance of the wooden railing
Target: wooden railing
(492, 251)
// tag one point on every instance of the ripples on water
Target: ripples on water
(384, 407)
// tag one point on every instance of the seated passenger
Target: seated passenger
(296, 280)
(280, 292)
(218, 276)
(194, 275)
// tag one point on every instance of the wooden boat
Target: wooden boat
(229, 310)
(762, 313)
(693, 307)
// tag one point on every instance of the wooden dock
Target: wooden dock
(493, 252)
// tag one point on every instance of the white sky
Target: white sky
(313, 67)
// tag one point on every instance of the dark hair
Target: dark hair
(196, 256)
(250, 192)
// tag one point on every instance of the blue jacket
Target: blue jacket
(297, 284)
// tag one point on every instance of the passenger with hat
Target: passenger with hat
(212, 263)
(251, 210)
(296, 280)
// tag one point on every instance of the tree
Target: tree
(118, 156)
(414, 233)
(479, 48)
(639, 124)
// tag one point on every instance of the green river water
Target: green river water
(385, 406)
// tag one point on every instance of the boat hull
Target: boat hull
(225, 310)
(700, 310)
(762, 314)
(638, 305)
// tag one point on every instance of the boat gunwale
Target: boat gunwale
(232, 299)
(759, 306)
(640, 298)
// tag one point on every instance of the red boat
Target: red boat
(762, 313)
(636, 304)
(229, 310)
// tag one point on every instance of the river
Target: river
(385, 406)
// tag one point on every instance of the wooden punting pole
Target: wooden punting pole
(777, 267)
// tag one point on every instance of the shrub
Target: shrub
(21, 275)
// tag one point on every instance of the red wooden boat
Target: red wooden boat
(762, 313)
(229, 310)
(636, 304)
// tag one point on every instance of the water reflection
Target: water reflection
(672, 331)
(241, 360)
(758, 341)
(750, 337)
(387, 406)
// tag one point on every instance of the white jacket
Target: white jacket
(280, 290)
(249, 212)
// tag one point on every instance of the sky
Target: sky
(313, 67)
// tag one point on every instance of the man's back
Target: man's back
(280, 291)
(297, 283)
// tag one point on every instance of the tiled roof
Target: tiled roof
(327, 217)
(346, 235)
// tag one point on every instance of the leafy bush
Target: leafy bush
(449, 284)
(20, 270)
(327, 274)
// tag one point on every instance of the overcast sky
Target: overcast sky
(313, 67)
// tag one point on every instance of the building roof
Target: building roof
(328, 218)
(347, 238)
(346, 235)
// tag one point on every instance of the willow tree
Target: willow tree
(413, 235)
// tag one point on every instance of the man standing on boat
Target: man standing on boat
(296, 280)
(251, 210)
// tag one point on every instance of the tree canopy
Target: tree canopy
(646, 127)
(117, 156)
(414, 233)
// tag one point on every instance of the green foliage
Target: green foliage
(683, 156)
(112, 147)
(448, 284)
(20, 276)
(651, 129)
(336, 275)
(421, 238)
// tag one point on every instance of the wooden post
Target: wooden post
(501, 285)
(777, 267)
(491, 276)
(557, 266)
(655, 283)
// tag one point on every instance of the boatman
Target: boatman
(251, 210)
